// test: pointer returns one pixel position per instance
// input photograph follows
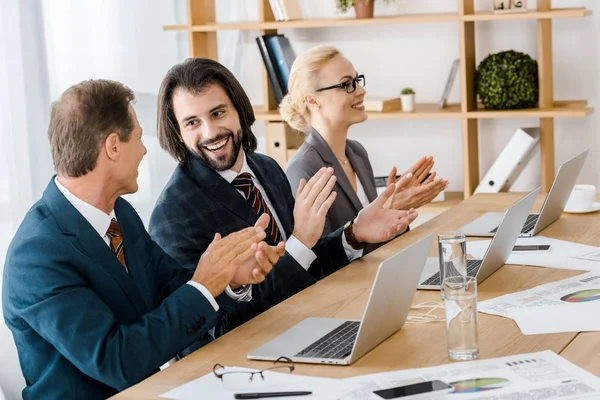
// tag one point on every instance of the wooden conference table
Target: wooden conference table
(344, 295)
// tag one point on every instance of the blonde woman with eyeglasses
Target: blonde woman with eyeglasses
(325, 99)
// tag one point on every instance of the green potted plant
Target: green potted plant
(407, 96)
(363, 8)
(507, 80)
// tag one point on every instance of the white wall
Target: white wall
(125, 41)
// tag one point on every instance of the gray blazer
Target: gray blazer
(315, 154)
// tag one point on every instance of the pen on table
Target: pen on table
(269, 394)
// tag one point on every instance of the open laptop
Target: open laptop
(497, 252)
(341, 341)
(554, 204)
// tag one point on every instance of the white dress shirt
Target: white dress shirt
(360, 192)
(100, 221)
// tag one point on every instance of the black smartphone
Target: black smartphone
(415, 389)
(532, 247)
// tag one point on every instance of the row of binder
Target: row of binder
(278, 57)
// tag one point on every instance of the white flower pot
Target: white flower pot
(408, 102)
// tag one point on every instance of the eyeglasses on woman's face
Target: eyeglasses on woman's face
(349, 86)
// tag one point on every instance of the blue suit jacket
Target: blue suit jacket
(84, 327)
(197, 203)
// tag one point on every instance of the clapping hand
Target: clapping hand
(414, 188)
(313, 200)
(256, 267)
(376, 224)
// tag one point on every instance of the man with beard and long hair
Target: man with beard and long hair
(222, 185)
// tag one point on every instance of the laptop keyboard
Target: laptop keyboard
(529, 224)
(472, 268)
(336, 344)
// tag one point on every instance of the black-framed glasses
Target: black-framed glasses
(348, 86)
(242, 379)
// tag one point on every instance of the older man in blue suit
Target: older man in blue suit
(222, 185)
(93, 303)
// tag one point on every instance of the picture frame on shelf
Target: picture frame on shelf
(449, 82)
(509, 6)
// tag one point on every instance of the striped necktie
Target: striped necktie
(244, 183)
(116, 241)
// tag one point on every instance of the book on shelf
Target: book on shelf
(270, 67)
(278, 56)
(286, 10)
(276, 8)
(283, 57)
(382, 104)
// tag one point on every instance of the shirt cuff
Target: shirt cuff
(302, 254)
(206, 294)
(244, 295)
(351, 253)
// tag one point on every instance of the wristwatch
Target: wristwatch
(351, 239)
(239, 290)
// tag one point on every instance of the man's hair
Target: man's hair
(195, 75)
(81, 120)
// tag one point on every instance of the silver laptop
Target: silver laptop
(497, 252)
(341, 341)
(554, 204)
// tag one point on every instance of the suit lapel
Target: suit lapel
(94, 246)
(208, 179)
(274, 194)
(135, 258)
(90, 243)
(317, 141)
(361, 172)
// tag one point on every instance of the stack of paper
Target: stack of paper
(543, 376)
(569, 305)
(562, 254)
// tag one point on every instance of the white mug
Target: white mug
(582, 198)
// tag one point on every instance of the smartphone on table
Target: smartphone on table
(421, 390)
(531, 247)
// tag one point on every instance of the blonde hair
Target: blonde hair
(302, 82)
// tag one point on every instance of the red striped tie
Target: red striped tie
(116, 241)
(244, 183)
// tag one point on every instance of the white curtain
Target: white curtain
(47, 46)
(24, 158)
(25, 165)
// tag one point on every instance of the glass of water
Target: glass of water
(452, 248)
(460, 300)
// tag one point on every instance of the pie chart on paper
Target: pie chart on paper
(582, 296)
(479, 385)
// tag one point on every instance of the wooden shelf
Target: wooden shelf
(575, 12)
(396, 19)
(561, 109)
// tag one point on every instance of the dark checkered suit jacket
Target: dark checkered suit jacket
(197, 202)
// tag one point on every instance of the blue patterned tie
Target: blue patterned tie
(244, 183)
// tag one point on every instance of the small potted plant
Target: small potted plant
(407, 97)
(363, 8)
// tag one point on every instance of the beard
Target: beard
(225, 161)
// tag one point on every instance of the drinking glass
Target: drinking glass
(460, 301)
